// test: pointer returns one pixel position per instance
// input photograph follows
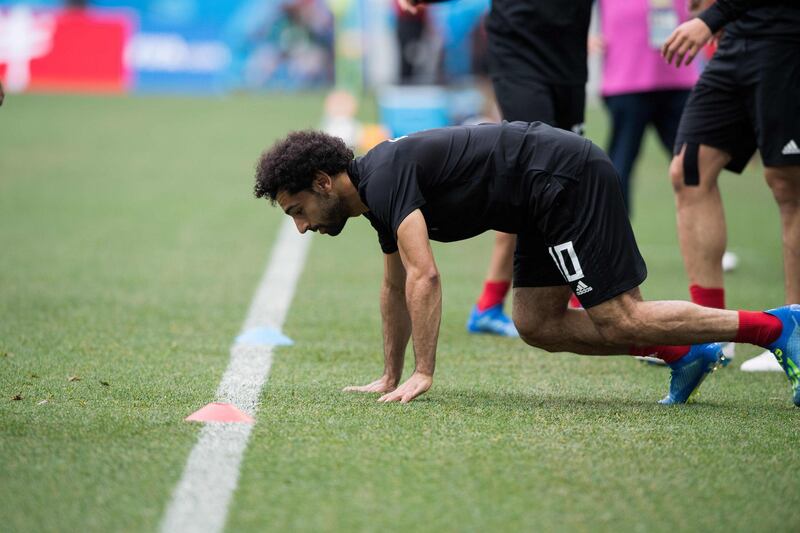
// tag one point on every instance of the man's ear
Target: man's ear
(323, 183)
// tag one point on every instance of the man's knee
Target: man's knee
(785, 185)
(694, 171)
(539, 332)
(676, 173)
(693, 186)
(538, 313)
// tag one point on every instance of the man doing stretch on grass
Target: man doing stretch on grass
(560, 194)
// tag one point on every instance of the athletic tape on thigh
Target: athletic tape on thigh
(691, 173)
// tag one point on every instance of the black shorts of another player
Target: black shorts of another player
(748, 97)
(584, 239)
(528, 100)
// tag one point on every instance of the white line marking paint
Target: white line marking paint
(200, 501)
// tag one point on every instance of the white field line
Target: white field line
(201, 498)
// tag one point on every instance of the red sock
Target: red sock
(669, 354)
(708, 296)
(493, 293)
(758, 327)
(574, 303)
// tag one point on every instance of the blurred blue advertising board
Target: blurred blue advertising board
(213, 45)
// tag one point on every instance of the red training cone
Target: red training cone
(219, 412)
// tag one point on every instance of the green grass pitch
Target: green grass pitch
(130, 247)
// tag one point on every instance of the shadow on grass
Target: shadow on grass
(519, 402)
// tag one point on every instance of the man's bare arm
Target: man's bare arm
(396, 326)
(423, 293)
(394, 313)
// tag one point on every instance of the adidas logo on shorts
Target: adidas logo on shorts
(791, 148)
(582, 288)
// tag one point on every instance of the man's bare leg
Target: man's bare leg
(615, 326)
(682, 333)
(701, 219)
(502, 260)
(785, 185)
(702, 233)
(544, 321)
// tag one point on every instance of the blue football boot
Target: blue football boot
(492, 321)
(787, 347)
(689, 371)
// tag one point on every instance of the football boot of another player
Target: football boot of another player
(689, 371)
(492, 321)
(728, 350)
(786, 348)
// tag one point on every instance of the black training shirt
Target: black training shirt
(759, 19)
(467, 179)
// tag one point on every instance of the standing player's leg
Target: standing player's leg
(785, 185)
(702, 232)
(774, 112)
(715, 132)
(528, 101)
(774, 109)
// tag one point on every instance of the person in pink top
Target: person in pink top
(638, 87)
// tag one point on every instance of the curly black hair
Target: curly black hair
(292, 163)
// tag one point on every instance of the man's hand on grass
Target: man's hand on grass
(417, 384)
(686, 41)
(382, 385)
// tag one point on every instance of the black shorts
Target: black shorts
(748, 97)
(562, 106)
(584, 239)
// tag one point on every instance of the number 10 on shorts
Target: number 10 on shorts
(566, 261)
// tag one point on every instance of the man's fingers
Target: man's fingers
(682, 51)
(385, 397)
(405, 393)
(678, 49)
(671, 44)
(419, 389)
(665, 48)
(669, 53)
(410, 396)
(693, 51)
(390, 397)
(394, 396)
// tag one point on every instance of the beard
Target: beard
(333, 213)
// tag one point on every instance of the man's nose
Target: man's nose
(302, 227)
